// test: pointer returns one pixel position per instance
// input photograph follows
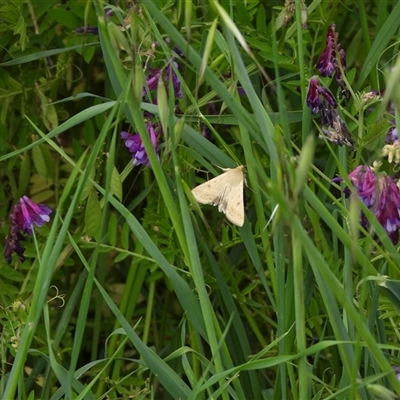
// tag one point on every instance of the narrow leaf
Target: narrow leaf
(112, 229)
(39, 161)
(92, 215)
(116, 184)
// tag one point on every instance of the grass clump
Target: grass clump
(112, 114)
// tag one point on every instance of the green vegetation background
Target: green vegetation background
(133, 290)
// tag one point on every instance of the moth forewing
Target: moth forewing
(209, 192)
(234, 209)
(226, 192)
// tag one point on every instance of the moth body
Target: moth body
(226, 192)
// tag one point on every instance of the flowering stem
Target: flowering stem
(299, 305)
(300, 50)
(39, 258)
(360, 131)
(343, 76)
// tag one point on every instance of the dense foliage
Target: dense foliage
(116, 283)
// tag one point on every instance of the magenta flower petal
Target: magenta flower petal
(12, 243)
(313, 98)
(321, 100)
(171, 74)
(134, 143)
(381, 195)
(168, 73)
(24, 215)
(327, 63)
(333, 60)
(33, 213)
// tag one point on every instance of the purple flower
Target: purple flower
(152, 80)
(239, 89)
(381, 195)
(24, 215)
(388, 208)
(327, 95)
(332, 58)
(344, 92)
(135, 146)
(167, 73)
(109, 12)
(327, 62)
(171, 74)
(33, 213)
(364, 180)
(313, 99)
(88, 29)
(392, 134)
(327, 116)
(12, 243)
(205, 130)
(319, 98)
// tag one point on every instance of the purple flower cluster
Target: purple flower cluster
(24, 215)
(93, 30)
(168, 73)
(381, 195)
(320, 100)
(332, 58)
(135, 146)
(133, 141)
(392, 134)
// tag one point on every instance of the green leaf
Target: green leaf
(39, 161)
(11, 273)
(162, 102)
(116, 184)
(24, 175)
(44, 54)
(77, 148)
(9, 13)
(380, 43)
(66, 18)
(125, 236)
(20, 28)
(391, 289)
(31, 395)
(89, 132)
(260, 20)
(5, 109)
(120, 257)
(89, 51)
(7, 290)
(93, 215)
(376, 133)
(88, 187)
(71, 180)
(49, 116)
(49, 160)
(112, 229)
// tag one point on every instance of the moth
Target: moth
(226, 192)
